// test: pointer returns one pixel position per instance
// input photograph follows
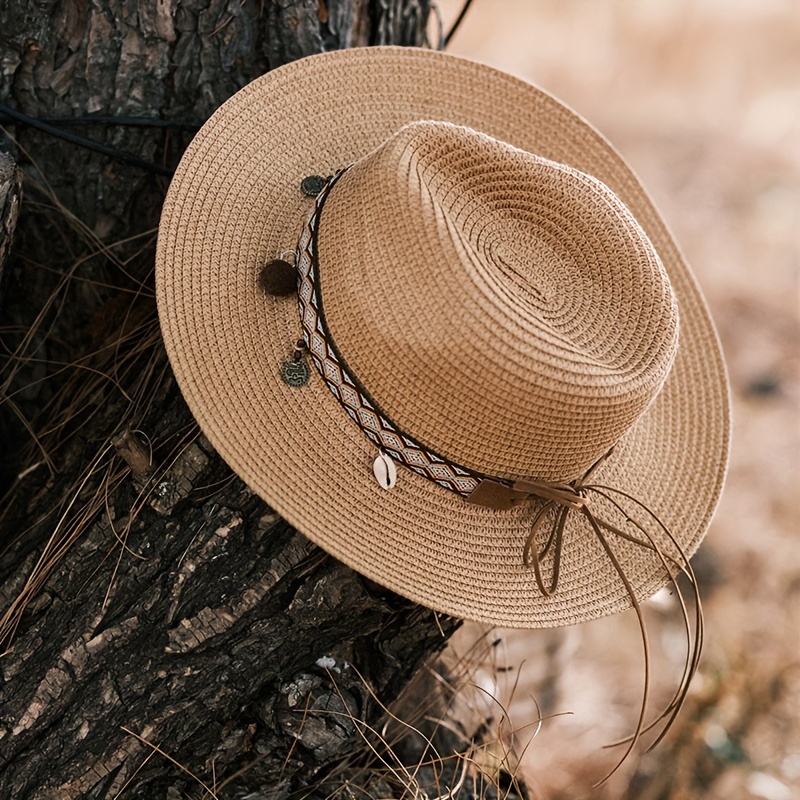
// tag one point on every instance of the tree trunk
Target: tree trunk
(168, 634)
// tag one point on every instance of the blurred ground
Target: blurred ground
(703, 99)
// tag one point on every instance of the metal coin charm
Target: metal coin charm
(295, 373)
(312, 185)
(385, 471)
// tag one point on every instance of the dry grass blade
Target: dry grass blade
(156, 749)
(433, 772)
(121, 367)
(66, 530)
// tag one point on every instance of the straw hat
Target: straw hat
(495, 322)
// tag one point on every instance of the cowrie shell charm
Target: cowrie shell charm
(385, 471)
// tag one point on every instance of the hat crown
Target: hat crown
(506, 311)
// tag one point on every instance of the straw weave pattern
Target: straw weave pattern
(506, 310)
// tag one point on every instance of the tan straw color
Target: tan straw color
(502, 291)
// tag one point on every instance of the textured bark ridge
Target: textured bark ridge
(166, 632)
(10, 188)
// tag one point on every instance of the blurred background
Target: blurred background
(702, 97)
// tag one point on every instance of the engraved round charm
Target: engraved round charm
(312, 185)
(295, 373)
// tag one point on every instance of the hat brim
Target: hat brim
(235, 203)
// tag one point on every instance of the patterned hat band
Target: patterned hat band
(475, 487)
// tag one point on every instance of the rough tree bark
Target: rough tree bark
(10, 187)
(151, 600)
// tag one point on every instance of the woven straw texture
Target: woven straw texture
(444, 322)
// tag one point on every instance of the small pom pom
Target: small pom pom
(278, 278)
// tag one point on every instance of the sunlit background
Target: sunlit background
(703, 99)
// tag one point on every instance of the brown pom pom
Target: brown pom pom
(278, 278)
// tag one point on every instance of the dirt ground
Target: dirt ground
(703, 99)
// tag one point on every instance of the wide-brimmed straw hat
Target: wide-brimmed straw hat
(497, 390)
